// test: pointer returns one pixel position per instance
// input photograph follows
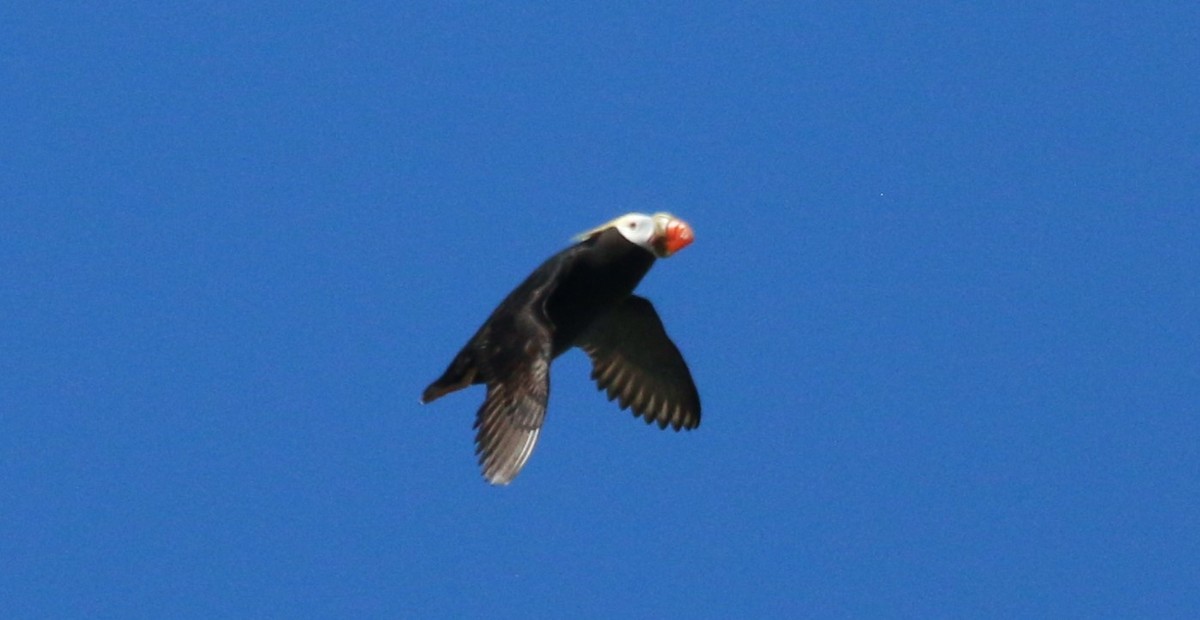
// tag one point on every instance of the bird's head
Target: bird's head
(662, 234)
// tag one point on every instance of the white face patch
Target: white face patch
(637, 228)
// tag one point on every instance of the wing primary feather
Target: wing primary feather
(509, 420)
(635, 363)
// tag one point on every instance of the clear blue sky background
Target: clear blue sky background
(942, 308)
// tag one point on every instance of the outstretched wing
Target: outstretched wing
(516, 361)
(635, 362)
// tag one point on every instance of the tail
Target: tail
(460, 374)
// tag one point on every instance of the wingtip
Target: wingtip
(498, 482)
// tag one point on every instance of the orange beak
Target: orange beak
(676, 236)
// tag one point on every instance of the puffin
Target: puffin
(580, 297)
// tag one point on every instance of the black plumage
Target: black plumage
(581, 297)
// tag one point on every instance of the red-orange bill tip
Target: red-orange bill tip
(679, 236)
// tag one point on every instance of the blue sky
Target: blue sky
(942, 308)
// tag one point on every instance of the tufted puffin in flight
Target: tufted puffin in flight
(581, 297)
